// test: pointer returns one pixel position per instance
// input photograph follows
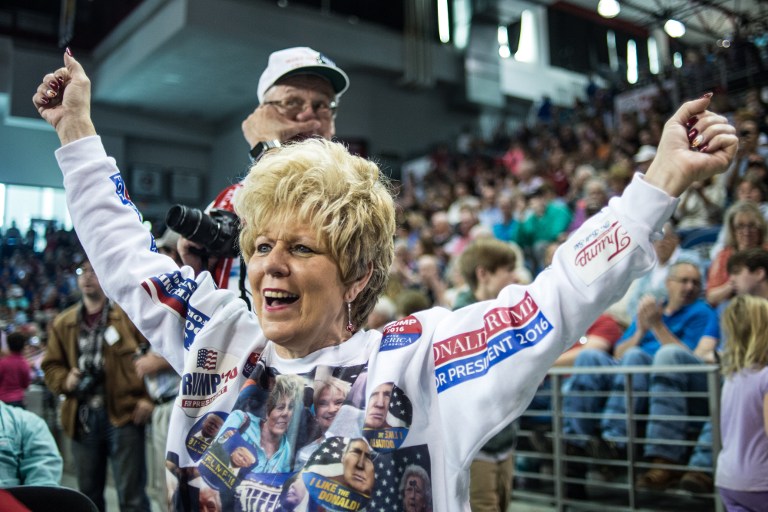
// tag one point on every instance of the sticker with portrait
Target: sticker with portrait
(203, 433)
(340, 475)
(388, 417)
(227, 460)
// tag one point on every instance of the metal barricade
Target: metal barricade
(545, 445)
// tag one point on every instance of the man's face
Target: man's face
(378, 406)
(683, 285)
(311, 90)
(414, 495)
(209, 500)
(493, 282)
(87, 282)
(211, 425)
(746, 281)
(241, 457)
(358, 467)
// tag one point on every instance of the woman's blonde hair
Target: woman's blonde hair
(342, 197)
(745, 326)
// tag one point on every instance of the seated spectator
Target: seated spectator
(594, 198)
(547, 219)
(744, 228)
(28, 452)
(511, 205)
(675, 324)
(644, 157)
(384, 311)
(749, 272)
(701, 205)
(753, 188)
(15, 373)
(528, 177)
(668, 252)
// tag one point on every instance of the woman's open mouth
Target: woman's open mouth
(279, 298)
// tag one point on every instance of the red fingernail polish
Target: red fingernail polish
(703, 149)
(44, 100)
(69, 52)
(692, 121)
(60, 80)
(53, 84)
(707, 95)
(692, 133)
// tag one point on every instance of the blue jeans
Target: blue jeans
(674, 403)
(615, 403)
(702, 452)
(97, 441)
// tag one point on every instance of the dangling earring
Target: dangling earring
(350, 325)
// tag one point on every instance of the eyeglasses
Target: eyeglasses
(687, 280)
(295, 106)
(80, 271)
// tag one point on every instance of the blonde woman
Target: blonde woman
(742, 466)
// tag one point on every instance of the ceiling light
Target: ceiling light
(608, 8)
(674, 28)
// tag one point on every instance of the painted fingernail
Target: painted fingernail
(707, 95)
(44, 100)
(60, 80)
(69, 52)
(692, 121)
(50, 93)
(53, 84)
(704, 148)
(692, 133)
(697, 141)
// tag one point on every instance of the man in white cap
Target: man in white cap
(644, 157)
(298, 95)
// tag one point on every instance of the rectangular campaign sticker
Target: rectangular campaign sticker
(597, 252)
(470, 355)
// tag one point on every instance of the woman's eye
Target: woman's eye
(302, 249)
(263, 248)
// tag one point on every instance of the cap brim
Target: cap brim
(338, 78)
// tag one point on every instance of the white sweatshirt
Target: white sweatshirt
(455, 377)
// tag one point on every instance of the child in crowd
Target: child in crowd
(742, 466)
(15, 374)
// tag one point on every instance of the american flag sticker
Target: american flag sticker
(206, 358)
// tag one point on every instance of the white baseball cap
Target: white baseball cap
(298, 61)
(646, 153)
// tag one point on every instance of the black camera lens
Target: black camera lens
(216, 232)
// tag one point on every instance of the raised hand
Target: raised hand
(695, 145)
(266, 123)
(63, 99)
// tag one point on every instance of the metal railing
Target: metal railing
(617, 493)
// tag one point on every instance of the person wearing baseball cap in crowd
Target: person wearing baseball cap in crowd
(298, 95)
(644, 157)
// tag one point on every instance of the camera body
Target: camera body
(217, 231)
(89, 380)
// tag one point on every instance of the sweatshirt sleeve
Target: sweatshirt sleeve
(167, 303)
(490, 357)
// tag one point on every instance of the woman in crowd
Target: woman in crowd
(318, 229)
(742, 465)
(745, 228)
